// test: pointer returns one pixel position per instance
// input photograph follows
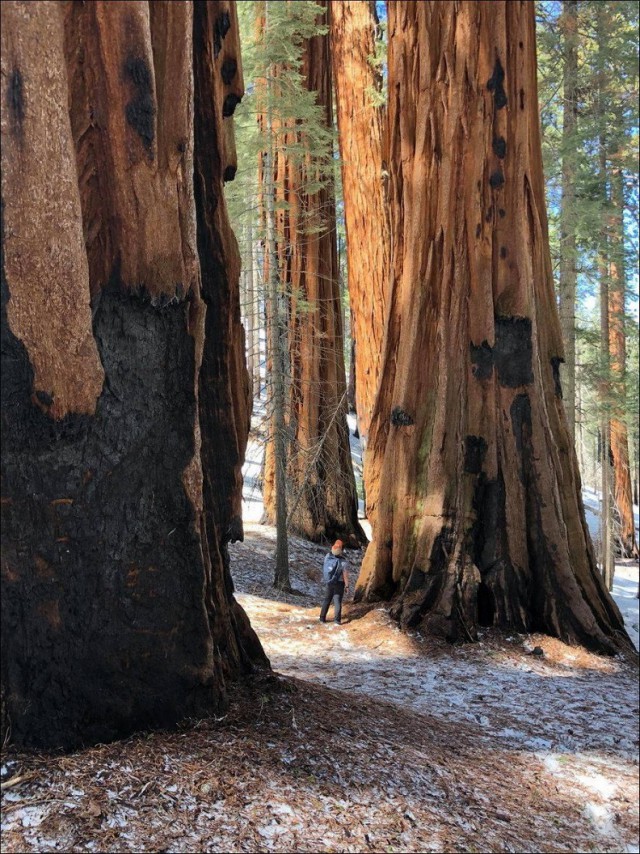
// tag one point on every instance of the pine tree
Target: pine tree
(321, 496)
(594, 142)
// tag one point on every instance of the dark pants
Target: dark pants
(335, 591)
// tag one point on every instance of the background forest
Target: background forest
(588, 94)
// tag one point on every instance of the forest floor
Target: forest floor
(367, 740)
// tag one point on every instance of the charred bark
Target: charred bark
(479, 517)
(117, 606)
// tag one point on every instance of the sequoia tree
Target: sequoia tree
(362, 128)
(478, 510)
(322, 499)
(122, 364)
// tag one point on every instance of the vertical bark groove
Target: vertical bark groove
(472, 335)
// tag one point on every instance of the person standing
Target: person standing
(336, 578)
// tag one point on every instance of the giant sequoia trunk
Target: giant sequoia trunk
(479, 517)
(322, 499)
(117, 607)
(361, 126)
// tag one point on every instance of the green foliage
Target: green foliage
(272, 58)
(605, 139)
(378, 93)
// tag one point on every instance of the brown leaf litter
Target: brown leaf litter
(370, 740)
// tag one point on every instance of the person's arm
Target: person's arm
(345, 578)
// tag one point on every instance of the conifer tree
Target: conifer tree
(292, 43)
(589, 53)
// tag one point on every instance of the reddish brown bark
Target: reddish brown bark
(617, 352)
(117, 605)
(362, 127)
(322, 496)
(479, 517)
(568, 274)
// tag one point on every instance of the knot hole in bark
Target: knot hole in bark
(400, 418)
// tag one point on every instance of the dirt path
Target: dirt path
(570, 718)
(423, 747)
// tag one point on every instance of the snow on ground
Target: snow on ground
(625, 593)
(571, 715)
(368, 740)
(576, 713)
(591, 499)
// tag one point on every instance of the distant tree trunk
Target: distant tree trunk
(351, 387)
(362, 128)
(568, 274)
(479, 517)
(281, 576)
(117, 604)
(618, 356)
(322, 491)
(258, 326)
(251, 314)
(606, 508)
(606, 516)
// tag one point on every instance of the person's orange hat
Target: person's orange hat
(338, 545)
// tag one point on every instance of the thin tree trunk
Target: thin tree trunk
(253, 359)
(479, 517)
(258, 326)
(568, 275)
(606, 515)
(579, 423)
(352, 385)
(617, 352)
(362, 139)
(281, 577)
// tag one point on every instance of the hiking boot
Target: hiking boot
(322, 620)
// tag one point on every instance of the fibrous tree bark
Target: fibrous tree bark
(617, 357)
(276, 350)
(362, 138)
(322, 499)
(478, 510)
(117, 600)
(568, 274)
(606, 515)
